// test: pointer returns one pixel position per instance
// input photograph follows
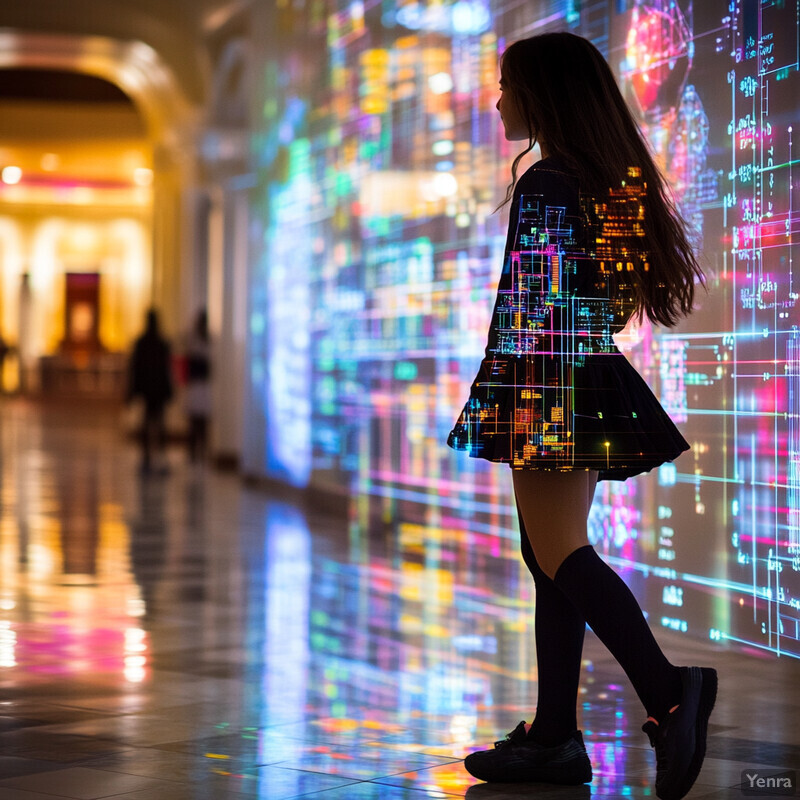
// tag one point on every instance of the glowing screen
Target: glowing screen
(380, 160)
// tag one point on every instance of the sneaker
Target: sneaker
(680, 740)
(518, 759)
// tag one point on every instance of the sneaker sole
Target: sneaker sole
(570, 768)
(565, 777)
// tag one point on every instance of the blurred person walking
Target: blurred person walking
(4, 350)
(150, 379)
(198, 387)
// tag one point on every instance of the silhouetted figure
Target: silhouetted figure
(4, 348)
(150, 379)
(594, 240)
(198, 386)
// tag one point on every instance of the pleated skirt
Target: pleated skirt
(535, 412)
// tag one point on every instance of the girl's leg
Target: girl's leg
(554, 507)
(552, 749)
(560, 629)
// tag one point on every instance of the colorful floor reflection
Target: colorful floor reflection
(183, 636)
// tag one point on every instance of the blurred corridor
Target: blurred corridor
(343, 612)
(184, 636)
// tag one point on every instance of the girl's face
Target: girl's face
(516, 127)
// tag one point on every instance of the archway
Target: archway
(94, 200)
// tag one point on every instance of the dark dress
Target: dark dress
(150, 377)
(553, 391)
(150, 372)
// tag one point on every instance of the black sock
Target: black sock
(560, 630)
(612, 612)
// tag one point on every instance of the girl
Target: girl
(593, 239)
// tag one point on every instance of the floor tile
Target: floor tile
(211, 791)
(11, 767)
(445, 779)
(278, 783)
(767, 753)
(80, 783)
(486, 791)
(152, 763)
(22, 794)
(66, 748)
(132, 729)
(15, 723)
(373, 791)
(362, 762)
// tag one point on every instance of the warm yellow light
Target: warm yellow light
(11, 175)
(82, 195)
(84, 237)
(50, 162)
(142, 176)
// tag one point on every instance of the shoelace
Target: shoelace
(516, 736)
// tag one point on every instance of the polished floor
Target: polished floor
(179, 636)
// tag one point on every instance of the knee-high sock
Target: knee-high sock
(613, 613)
(560, 630)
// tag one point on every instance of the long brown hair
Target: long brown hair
(566, 92)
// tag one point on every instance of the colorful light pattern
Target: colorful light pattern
(380, 160)
(547, 391)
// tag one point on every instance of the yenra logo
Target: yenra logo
(770, 782)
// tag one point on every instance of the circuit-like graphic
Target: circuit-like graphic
(548, 390)
(379, 164)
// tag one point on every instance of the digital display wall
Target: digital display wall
(376, 254)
